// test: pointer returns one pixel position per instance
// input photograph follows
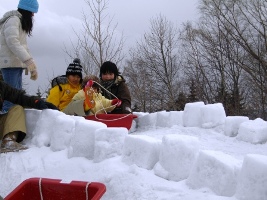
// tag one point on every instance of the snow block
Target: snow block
(83, 140)
(177, 156)
(176, 118)
(212, 115)
(232, 124)
(32, 116)
(42, 137)
(253, 131)
(133, 126)
(141, 150)
(163, 119)
(192, 114)
(147, 121)
(109, 142)
(169, 119)
(215, 170)
(252, 183)
(62, 132)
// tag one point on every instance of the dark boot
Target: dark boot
(9, 143)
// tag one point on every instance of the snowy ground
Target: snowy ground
(195, 154)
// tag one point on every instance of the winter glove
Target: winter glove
(116, 102)
(40, 104)
(51, 106)
(31, 67)
(89, 83)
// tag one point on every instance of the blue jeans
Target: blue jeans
(13, 77)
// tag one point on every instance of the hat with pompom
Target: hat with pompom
(75, 68)
(30, 5)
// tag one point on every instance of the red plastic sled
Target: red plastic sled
(53, 189)
(114, 120)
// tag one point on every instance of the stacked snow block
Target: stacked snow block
(109, 143)
(215, 170)
(133, 126)
(169, 119)
(149, 146)
(192, 114)
(232, 124)
(40, 135)
(212, 115)
(31, 116)
(83, 140)
(252, 183)
(163, 119)
(198, 114)
(147, 121)
(60, 139)
(248, 133)
(176, 118)
(174, 157)
(195, 114)
(177, 156)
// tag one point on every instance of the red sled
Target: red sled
(114, 120)
(54, 189)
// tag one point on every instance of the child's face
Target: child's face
(108, 76)
(74, 79)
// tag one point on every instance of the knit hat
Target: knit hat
(75, 68)
(109, 67)
(30, 5)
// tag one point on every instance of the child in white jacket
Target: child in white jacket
(89, 100)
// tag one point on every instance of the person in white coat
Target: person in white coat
(15, 26)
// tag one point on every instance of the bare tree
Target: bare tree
(99, 41)
(143, 84)
(245, 22)
(226, 54)
(157, 55)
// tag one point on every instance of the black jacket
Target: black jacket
(15, 96)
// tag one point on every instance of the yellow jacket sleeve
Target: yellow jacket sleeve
(54, 96)
(62, 98)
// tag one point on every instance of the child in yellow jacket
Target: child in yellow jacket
(62, 94)
(89, 100)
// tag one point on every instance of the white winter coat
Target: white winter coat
(13, 41)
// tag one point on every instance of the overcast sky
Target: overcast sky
(55, 20)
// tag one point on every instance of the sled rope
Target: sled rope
(107, 107)
(86, 190)
(40, 188)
